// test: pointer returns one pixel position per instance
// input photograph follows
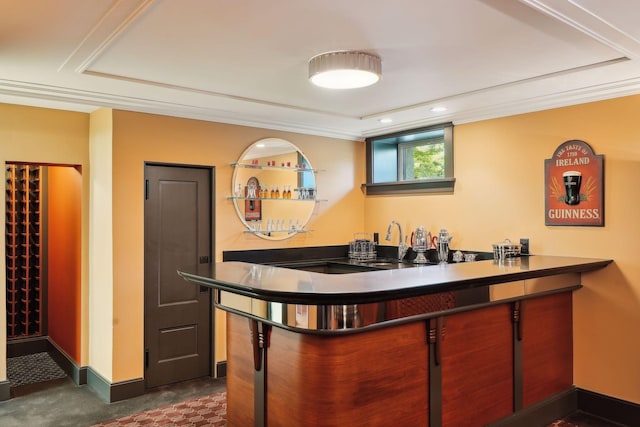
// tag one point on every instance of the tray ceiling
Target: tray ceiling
(245, 62)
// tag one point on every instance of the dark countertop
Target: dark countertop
(277, 284)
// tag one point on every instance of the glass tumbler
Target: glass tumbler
(443, 252)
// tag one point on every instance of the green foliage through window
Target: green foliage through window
(428, 161)
(411, 161)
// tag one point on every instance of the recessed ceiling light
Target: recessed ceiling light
(385, 120)
(345, 70)
(438, 109)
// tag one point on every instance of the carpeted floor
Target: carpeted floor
(207, 411)
(211, 411)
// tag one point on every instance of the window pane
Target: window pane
(385, 159)
(411, 161)
(423, 161)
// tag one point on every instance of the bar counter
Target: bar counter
(272, 283)
(472, 343)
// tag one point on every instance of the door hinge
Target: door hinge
(146, 189)
(146, 358)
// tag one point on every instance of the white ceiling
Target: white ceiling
(245, 61)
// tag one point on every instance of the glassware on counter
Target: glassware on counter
(469, 257)
(362, 248)
(419, 243)
(443, 246)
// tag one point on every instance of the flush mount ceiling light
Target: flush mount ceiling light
(345, 70)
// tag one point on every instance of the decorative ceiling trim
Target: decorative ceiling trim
(373, 116)
(579, 17)
(82, 98)
(113, 23)
(96, 99)
(448, 99)
(218, 94)
(522, 106)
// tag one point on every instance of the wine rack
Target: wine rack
(23, 251)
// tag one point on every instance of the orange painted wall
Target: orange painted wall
(140, 138)
(499, 193)
(64, 255)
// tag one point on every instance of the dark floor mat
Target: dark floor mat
(33, 368)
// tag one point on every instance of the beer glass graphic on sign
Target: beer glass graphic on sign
(572, 181)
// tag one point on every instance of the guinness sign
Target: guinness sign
(574, 190)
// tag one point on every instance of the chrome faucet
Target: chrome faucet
(402, 245)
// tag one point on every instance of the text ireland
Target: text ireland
(575, 161)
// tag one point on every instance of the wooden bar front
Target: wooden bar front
(382, 377)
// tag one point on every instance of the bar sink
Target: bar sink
(328, 267)
(392, 263)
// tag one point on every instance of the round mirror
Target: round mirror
(274, 189)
